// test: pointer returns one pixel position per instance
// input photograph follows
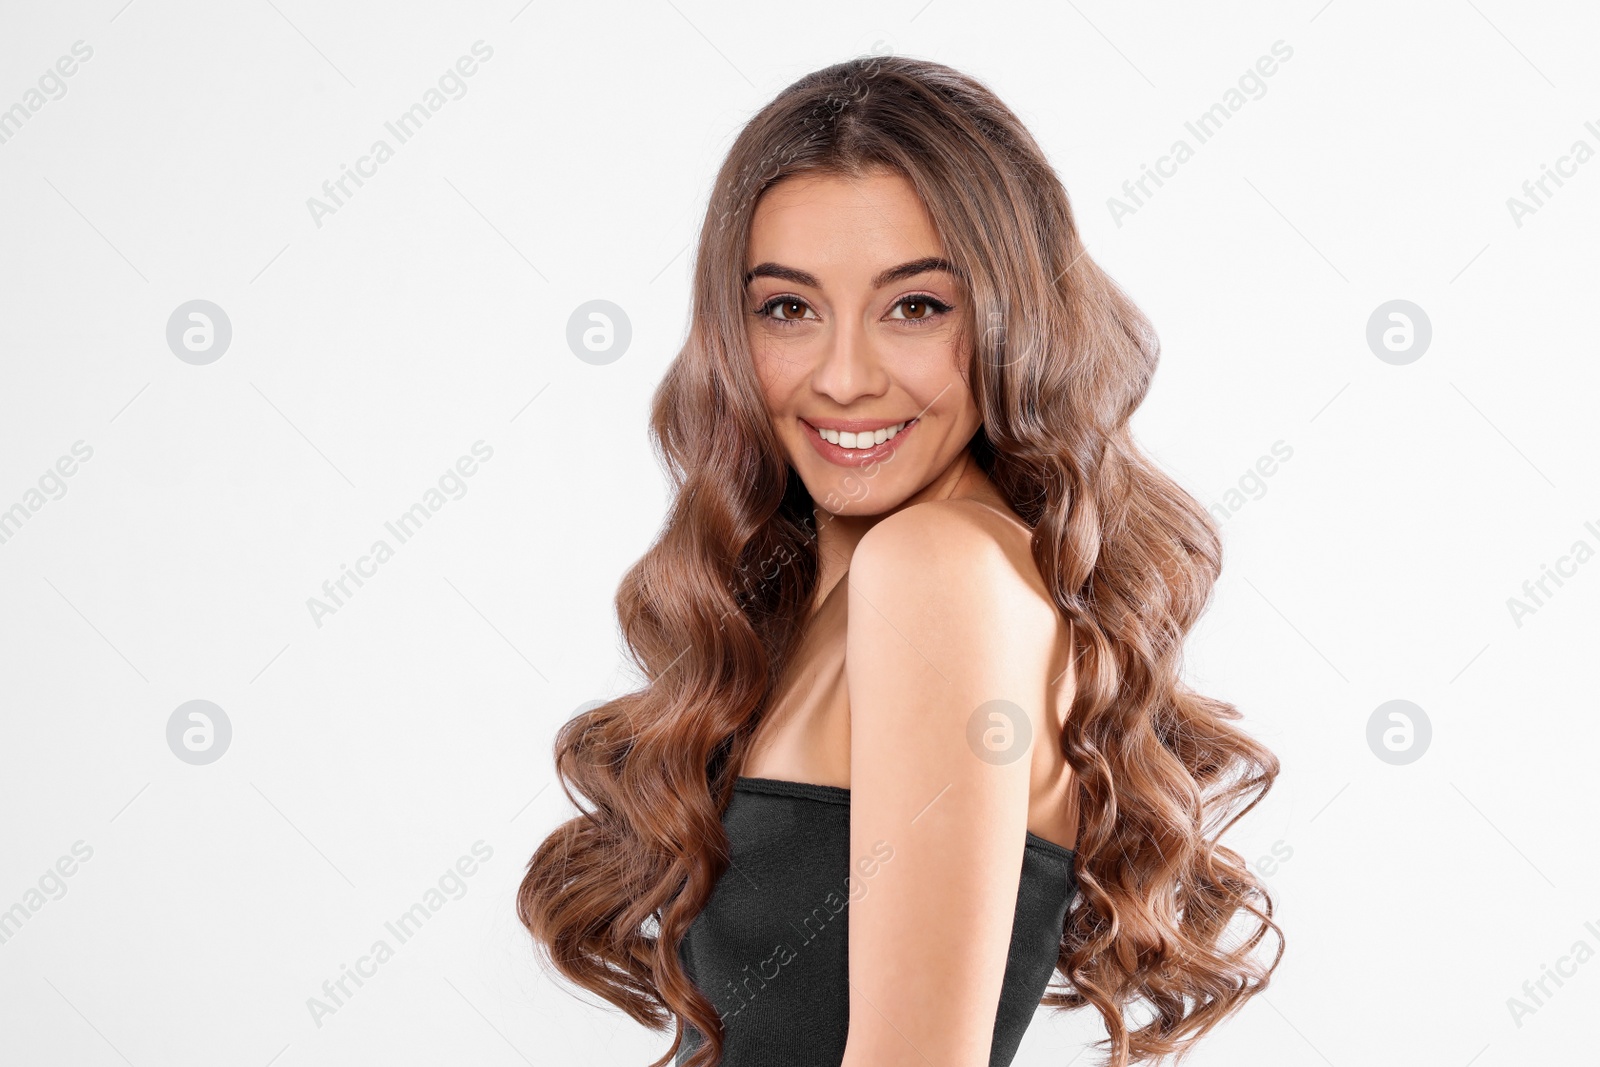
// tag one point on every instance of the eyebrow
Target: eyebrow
(885, 277)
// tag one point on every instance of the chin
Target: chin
(847, 493)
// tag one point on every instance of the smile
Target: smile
(857, 448)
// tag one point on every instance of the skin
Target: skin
(942, 610)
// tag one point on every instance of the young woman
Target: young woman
(914, 739)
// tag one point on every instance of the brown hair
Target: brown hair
(1060, 360)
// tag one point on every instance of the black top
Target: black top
(770, 949)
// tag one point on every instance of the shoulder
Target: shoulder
(954, 566)
(954, 549)
(957, 524)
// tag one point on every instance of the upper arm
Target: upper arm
(940, 624)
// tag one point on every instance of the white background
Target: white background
(429, 312)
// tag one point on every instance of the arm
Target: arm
(940, 622)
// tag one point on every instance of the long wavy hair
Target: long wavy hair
(1060, 358)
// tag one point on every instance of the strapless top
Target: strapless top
(770, 948)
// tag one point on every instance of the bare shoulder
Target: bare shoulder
(960, 552)
(956, 581)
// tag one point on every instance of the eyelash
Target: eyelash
(937, 307)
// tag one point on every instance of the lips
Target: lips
(856, 457)
(854, 425)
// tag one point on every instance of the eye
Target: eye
(785, 309)
(919, 307)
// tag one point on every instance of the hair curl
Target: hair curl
(1060, 359)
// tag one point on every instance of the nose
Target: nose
(848, 367)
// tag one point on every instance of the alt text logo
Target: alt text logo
(1398, 332)
(199, 332)
(1399, 732)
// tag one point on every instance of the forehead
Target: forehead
(842, 227)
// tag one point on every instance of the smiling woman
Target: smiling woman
(915, 616)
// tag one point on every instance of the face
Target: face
(855, 329)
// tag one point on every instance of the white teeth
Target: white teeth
(865, 439)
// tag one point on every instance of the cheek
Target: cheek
(933, 370)
(779, 371)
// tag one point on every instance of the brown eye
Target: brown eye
(919, 308)
(787, 310)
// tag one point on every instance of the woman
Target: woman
(914, 738)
